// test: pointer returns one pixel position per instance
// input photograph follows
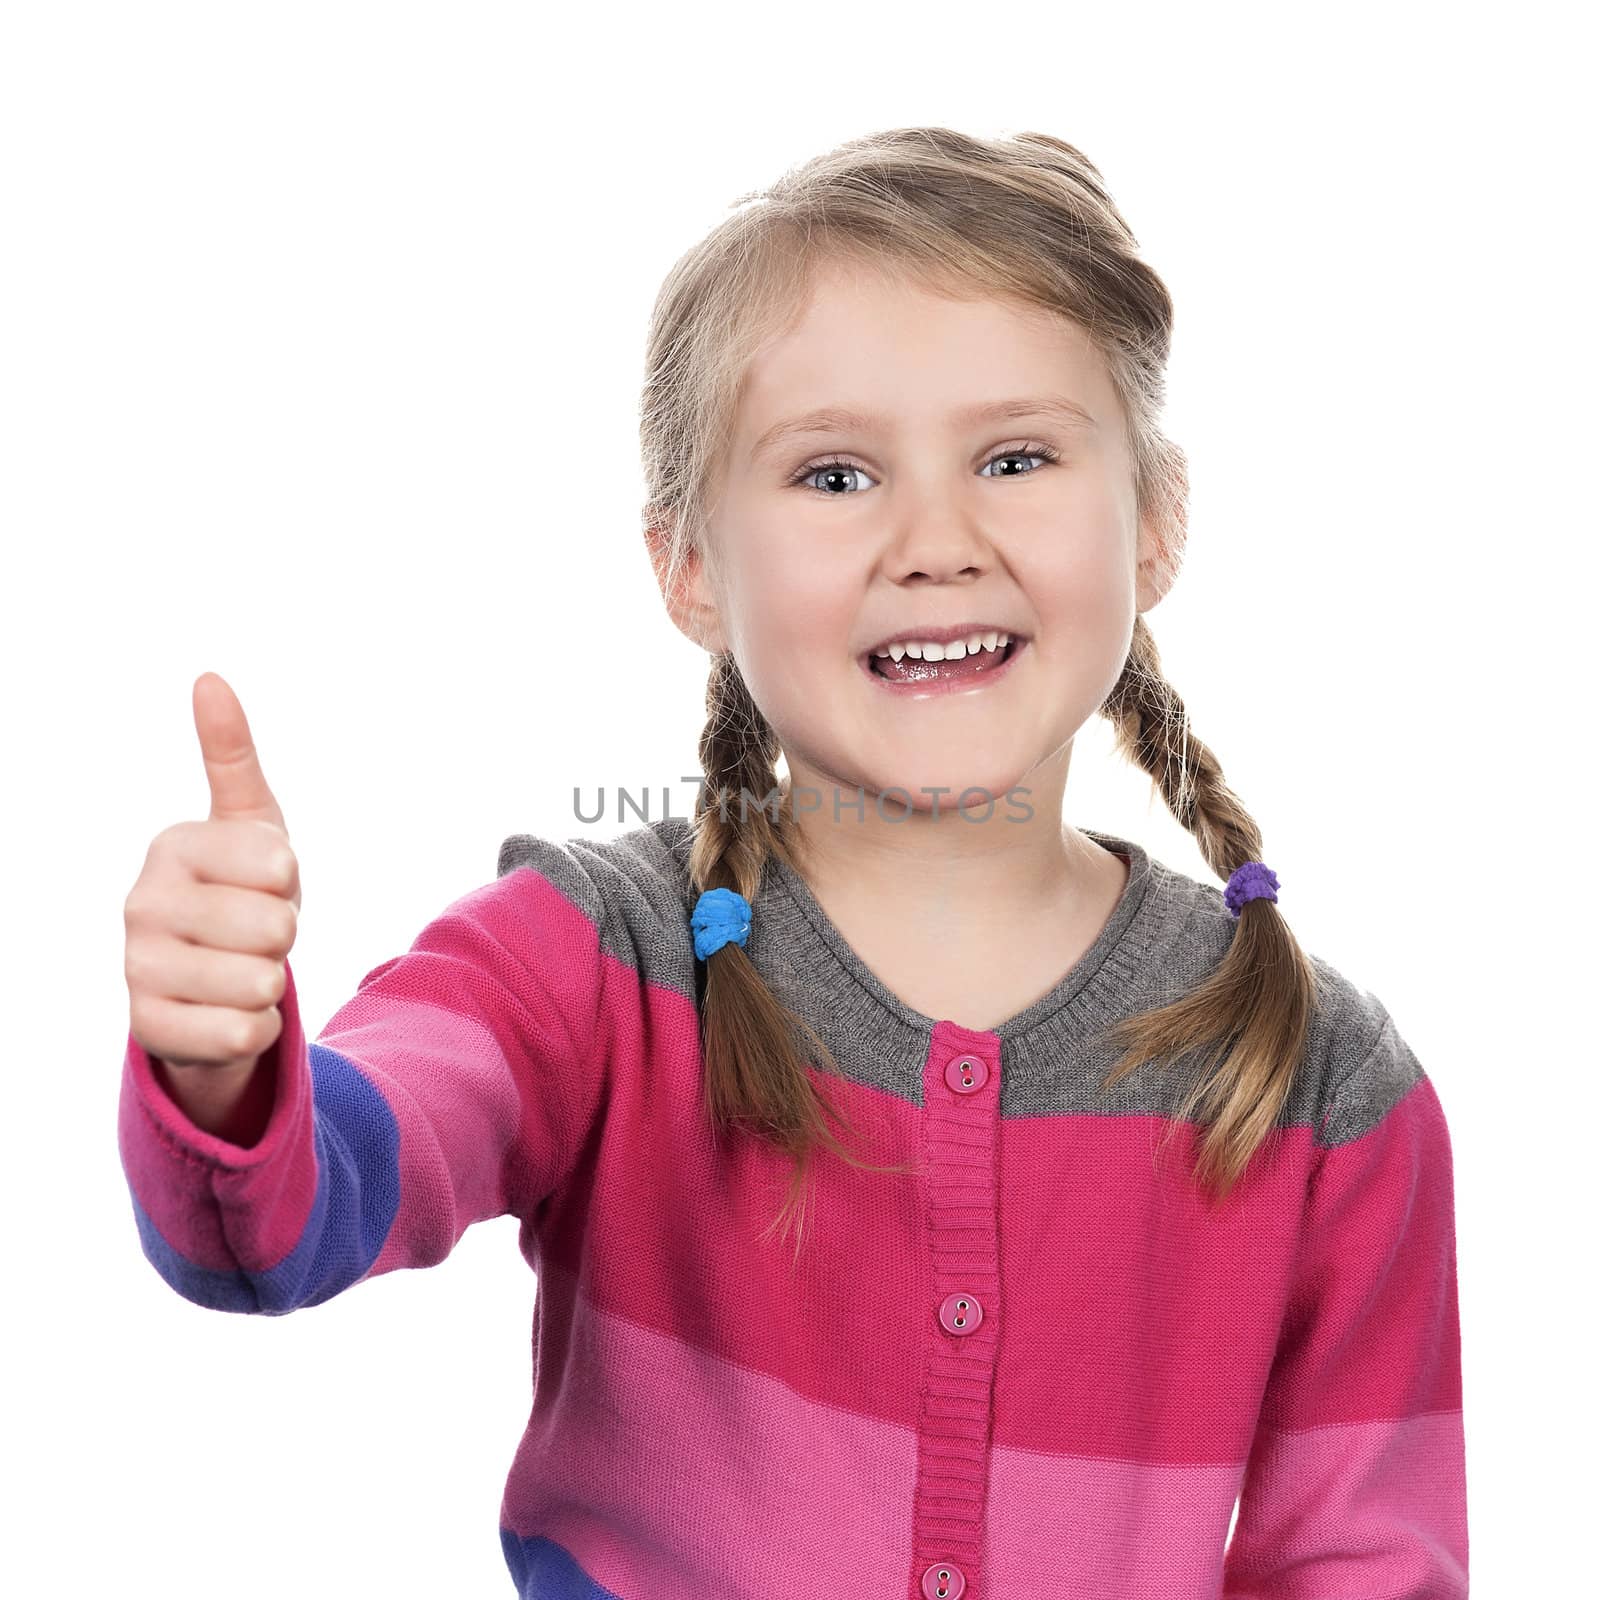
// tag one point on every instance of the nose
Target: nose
(937, 545)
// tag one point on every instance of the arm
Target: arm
(1356, 1482)
(454, 1086)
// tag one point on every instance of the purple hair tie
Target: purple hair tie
(1255, 880)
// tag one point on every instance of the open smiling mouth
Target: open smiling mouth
(981, 667)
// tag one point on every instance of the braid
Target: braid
(1152, 730)
(1259, 1000)
(738, 755)
(754, 1073)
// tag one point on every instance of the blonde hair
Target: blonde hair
(1029, 219)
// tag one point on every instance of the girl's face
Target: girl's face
(927, 519)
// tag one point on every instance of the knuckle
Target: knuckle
(143, 902)
(136, 964)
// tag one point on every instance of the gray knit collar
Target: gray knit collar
(1152, 949)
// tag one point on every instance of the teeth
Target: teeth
(956, 650)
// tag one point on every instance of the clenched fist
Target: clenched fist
(213, 915)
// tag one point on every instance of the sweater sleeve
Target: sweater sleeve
(1356, 1482)
(454, 1086)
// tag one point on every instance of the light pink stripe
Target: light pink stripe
(455, 1100)
(669, 1472)
(1100, 1529)
(1376, 1508)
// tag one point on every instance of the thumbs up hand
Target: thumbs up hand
(213, 915)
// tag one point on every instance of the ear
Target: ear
(1163, 532)
(691, 603)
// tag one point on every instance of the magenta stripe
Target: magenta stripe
(1379, 1257)
(1102, 1351)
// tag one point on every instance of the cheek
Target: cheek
(1075, 559)
(791, 590)
(1075, 580)
(790, 628)
(1081, 589)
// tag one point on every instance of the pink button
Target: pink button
(942, 1581)
(967, 1074)
(960, 1313)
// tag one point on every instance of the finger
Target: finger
(238, 786)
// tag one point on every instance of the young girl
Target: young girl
(1141, 1216)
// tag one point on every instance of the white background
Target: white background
(322, 342)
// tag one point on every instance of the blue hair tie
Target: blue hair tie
(721, 916)
(1255, 880)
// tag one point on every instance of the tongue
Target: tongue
(909, 670)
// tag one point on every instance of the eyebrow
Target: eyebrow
(843, 419)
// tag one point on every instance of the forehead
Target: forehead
(915, 355)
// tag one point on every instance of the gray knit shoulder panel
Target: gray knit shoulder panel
(1171, 935)
(633, 888)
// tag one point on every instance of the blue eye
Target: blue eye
(838, 464)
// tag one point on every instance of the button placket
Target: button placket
(961, 1313)
(960, 1096)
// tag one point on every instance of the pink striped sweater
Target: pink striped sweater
(1038, 1365)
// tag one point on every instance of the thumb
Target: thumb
(238, 788)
